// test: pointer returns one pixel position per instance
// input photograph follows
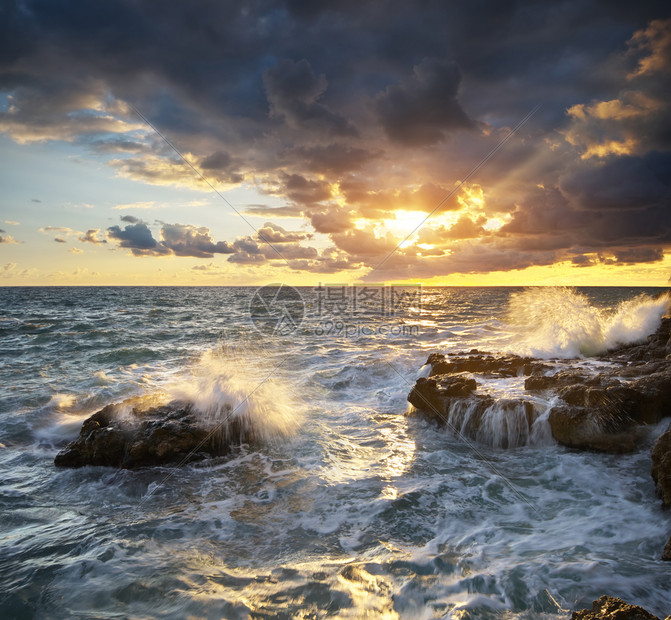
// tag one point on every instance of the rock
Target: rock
(477, 362)
(655, 387)
(666, 554)
(610, 608)
(452, 400)
(563, 378)
(661, 468)
(433, 395)
(118, 437)
(576, 427)
(606, 411)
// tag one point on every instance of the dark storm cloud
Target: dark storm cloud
(137, 238)
(293, 90)
(336, 158)
(304, 191)
(639, 255)
(223, 166)
(623, 183)
(176, 240)
(423, 108)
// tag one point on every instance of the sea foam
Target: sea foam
(563, 323)
(228, 394)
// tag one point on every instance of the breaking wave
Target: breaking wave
(563, 323)
(228, 395)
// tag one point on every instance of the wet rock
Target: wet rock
(120, 436)
(611, 608)
(477, 362)
(561, 379)
(577, 427)
(432, 393)
(655, 387)
(435, 395)
(661, 470)
(604, 411)
(666, 554)
(452, 401)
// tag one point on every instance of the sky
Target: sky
(338, 142)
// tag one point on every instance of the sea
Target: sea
(343, 506)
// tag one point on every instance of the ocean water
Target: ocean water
(344, 507)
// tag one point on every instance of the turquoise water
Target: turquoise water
(345, 507)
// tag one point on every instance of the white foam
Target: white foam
(223, 390)
(560, 322)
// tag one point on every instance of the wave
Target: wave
(230, 394)
(562, 323)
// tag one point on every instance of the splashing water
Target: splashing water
(562, 323)
(229, 396)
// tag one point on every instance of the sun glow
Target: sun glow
(472, 198)
(405, 222)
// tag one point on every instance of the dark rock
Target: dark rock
(611, 608)
(655, 387)
(452, 400)
(433, 395)
(577, 427)
(605, 411)
(661, 468)
(478, 362)
(540, 382)
(666, 554)
(171, 433)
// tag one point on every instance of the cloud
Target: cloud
(303, 191)
(335, 158)
(222, 166)
(293, 91)
(61, 229)
(423, 109)
(289, 211)
(333, 220)
(138, 238)
(654, 45)
(5, 238)
(59, 240)
(273, 233)
(346, 115)
(188, 240)
(463, 228)
(91, 236)
(622, 183)
(208, 267)
(632, 256)
(76, 251)
(175, 240)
